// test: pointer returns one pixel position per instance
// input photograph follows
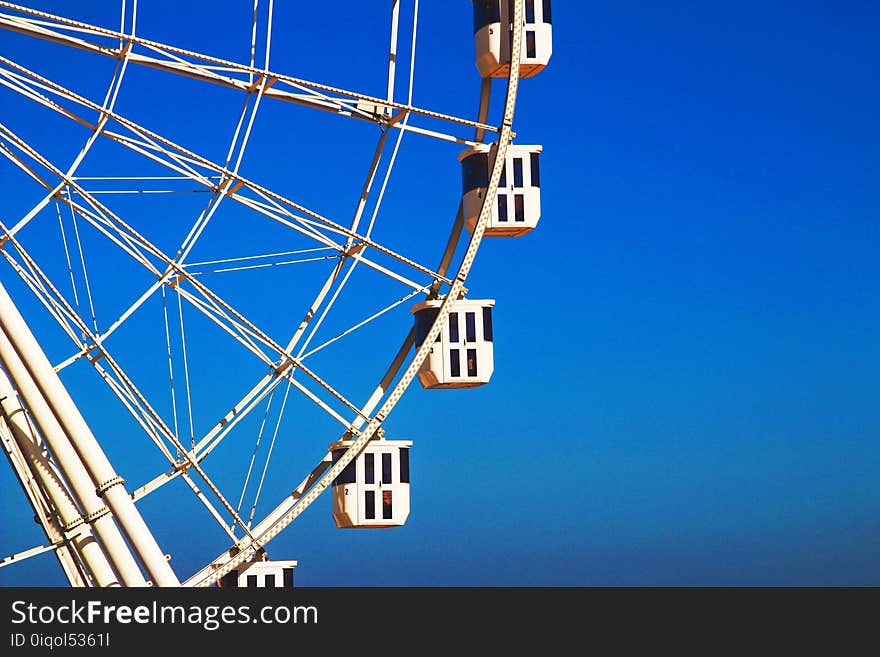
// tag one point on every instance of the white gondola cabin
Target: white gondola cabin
(463, 355)
(493, 37)
(260, 574)
(373, 490)
(517, 207)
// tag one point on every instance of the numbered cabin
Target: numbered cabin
(260, 574)
(462, 355)
(517, 207)
(493, 37)
(373, 490)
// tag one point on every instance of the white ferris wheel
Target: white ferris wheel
(163, 303)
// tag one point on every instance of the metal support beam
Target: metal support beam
(109, 485)
(81, 484)
(79, 555)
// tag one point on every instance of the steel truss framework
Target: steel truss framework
(67, 519)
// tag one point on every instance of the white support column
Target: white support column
(109, 486)
(84, 543)
(81, 484)
(44, 514)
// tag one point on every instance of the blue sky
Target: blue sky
(685, 388)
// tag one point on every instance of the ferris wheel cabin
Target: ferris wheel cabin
(373, 490)
(260, 574)
(517, 207)
(494, 42)
(463, 353)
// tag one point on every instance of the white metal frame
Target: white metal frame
(174, 275)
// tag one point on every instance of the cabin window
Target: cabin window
(229, 580)
(475, 172)
(369, 469)
(387, 512)
(348, 474)
(472, 362)
(546, 12)
(470, 321)
(269, 581)
(530, 11)
(370, 504)
(519, 213)
(487, 324)
(454, 365)
(453, 327)
(404, 465)
(517, 172)
(252, 581)
(535, 170)
(502, 182)
(531, 49)
(288, 577)
(424, 320)
(386, 468)
(502, 207)
(486, 12)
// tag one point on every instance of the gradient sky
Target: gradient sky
(685, 387)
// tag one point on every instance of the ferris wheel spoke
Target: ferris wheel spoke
(242, 334)
(46, 299)
(312, 224)
(96, 351)
(265, 387)
(192, 432)
(249, 110)
(247, 476)
(181, 272)
(269, 455)
(126, 395)
(51, 305)
(186, 62)
(69, 263)
(106, 219)
(314, 221)
(27, 83)
(283, 512)
(130, 402)
(28, 88)
(263, 265)
(107, 105)
(219, 431)
(155, 419)
(130, 233)
(10, 155)
(82, 260)
(316, 473)
(362, 201)
(170, 364)
(132, 398)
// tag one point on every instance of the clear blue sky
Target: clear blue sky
(685, 390)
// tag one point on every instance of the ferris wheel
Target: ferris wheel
(224, 303)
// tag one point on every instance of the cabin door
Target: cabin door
(369, 489)
(389, 475)
(460, 359)
(379, 475)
